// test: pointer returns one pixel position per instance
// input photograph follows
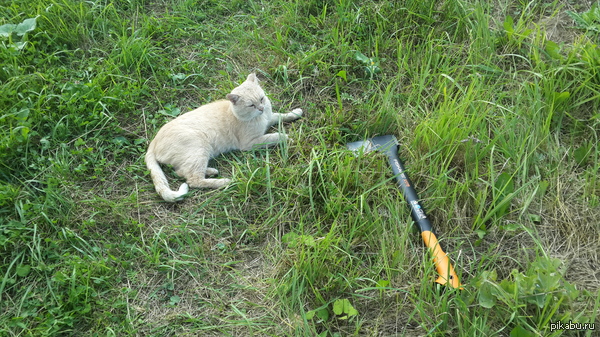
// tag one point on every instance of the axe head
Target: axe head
(384, 144)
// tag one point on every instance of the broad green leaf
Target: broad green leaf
(549, 281)
(542, 188)
(537, 299)
(174, 299)
(178, 77)
(23, 270)
(352, 311)
(572, 292)
(561, 97)
(509, 286)
(291, 239)
(7, 29)
(323, 314)
(372, 69)
(534, 217)
(581, 155)
(504, 183)
(480, 233)
(383, 283)
(487, 292)
(338, 306)
(26, 26)
(487, 298)
(553, 50)
(120, 140)
(25, 131)
(19, 45)
(170, 111)
(307, 240)
(344, 307)
(509, 25)
(361, 57)
(22, 114)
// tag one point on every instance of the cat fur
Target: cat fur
(190, 140)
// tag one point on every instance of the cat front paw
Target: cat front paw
(297, 112)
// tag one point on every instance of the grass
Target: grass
(495, 105)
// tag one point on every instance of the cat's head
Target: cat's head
(248, 100)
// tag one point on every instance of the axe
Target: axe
(389, 146)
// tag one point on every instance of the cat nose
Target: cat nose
(261, 108)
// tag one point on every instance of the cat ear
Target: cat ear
(252, 78)
(233, 98)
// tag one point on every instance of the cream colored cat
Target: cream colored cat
(190, 140)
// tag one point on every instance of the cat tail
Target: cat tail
(160, 181)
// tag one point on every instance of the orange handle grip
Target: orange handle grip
(441, 261)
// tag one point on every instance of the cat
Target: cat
(190, 140)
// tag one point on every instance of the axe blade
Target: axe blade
(382, 144)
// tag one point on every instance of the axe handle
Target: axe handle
(442, 263)
(406, 186)
(446, 272)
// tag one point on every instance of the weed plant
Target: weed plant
(495, 105)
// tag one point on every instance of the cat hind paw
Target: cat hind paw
(211, 172)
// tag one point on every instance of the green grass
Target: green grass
(495, 105)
